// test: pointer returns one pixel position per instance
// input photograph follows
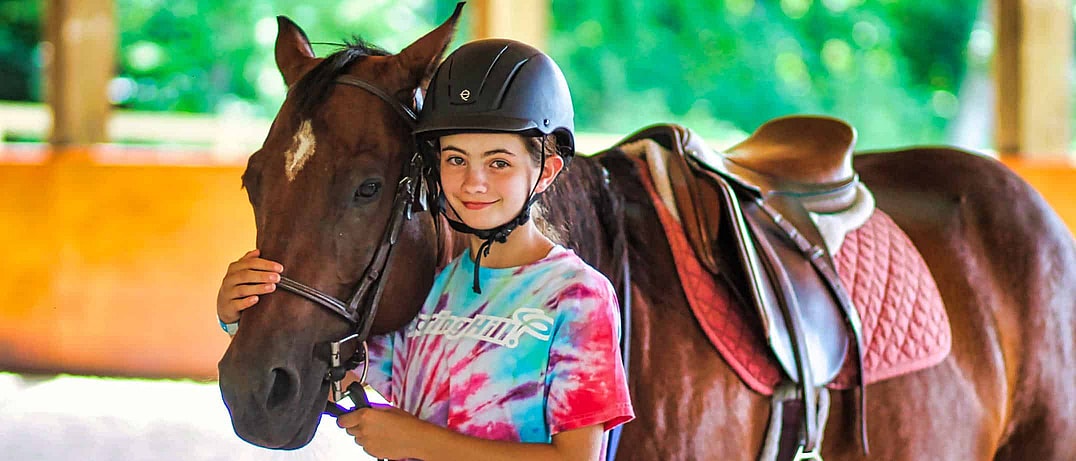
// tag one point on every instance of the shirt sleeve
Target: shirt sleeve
(586, 380)
(379, 373)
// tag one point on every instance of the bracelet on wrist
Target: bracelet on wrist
(230, 328)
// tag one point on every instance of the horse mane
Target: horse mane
(312, 89)
(587, 212)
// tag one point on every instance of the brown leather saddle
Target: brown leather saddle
(756, 198)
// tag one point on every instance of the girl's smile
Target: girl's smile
(477, 205)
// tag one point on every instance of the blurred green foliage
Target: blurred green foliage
(879, 64)
(892, 68)
(211, 56)
(20, 32)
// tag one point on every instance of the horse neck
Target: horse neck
(588, 216)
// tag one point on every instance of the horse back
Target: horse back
(1006, 266)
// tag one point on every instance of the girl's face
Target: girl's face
(486, 177)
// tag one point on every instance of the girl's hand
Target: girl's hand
(247, 278)
(384, 431)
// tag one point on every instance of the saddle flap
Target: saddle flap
(805, 307)
(695, 197)
(802, 321)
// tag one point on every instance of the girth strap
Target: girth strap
(783, 432)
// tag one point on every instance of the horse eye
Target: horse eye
(368, 189)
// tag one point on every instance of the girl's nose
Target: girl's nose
(474, 181)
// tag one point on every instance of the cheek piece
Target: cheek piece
(497, 234)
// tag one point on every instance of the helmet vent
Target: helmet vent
(489, 70)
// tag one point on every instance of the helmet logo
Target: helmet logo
(465, 95)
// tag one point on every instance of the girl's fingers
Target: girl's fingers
(244, 303)
(257, 264)
(246, 275)
(231, 311)
(255, 277)
(243, 291)
(246, 257)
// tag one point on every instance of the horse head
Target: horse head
(324, 188)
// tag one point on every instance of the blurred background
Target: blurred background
(125, 125)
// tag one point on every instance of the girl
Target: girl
(515, 352)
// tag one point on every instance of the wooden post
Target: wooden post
(523, 20)
(80, 56)
(1032, 68)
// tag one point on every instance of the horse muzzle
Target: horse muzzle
(271, 406)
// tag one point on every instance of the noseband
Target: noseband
(408, 199)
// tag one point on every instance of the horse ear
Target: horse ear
(293, 50)
(420, 59)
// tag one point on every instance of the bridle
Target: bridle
(361, 308)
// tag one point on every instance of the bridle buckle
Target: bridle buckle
(338, 368)
(801, 455)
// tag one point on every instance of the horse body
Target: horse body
(1003, 261)
(1000, 270)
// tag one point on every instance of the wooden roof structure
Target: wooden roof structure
(1032, 70)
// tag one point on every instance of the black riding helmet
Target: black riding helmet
(498, 86)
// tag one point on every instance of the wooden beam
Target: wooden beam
(1032, 67)
(523, 20)
(81, 42)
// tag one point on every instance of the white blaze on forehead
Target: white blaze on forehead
(302, 148)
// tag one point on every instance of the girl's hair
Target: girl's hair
(535, 145)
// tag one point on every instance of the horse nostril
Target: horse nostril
(281, 390)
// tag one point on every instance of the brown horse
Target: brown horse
(322, 192)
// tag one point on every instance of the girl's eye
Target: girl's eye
(498, 164)
(455, 161)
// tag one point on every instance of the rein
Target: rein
(361, 308)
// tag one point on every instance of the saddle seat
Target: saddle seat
(802, 154)
(806, 157)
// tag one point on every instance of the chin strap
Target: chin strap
(498, 234)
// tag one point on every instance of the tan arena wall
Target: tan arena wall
(113, 269)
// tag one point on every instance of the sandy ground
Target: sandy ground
(80, 418)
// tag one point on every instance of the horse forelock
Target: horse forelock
(307, 105)
(313, 88)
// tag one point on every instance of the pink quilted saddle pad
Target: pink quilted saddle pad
(905, 327)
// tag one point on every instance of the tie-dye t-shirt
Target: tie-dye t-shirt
(535, 354)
